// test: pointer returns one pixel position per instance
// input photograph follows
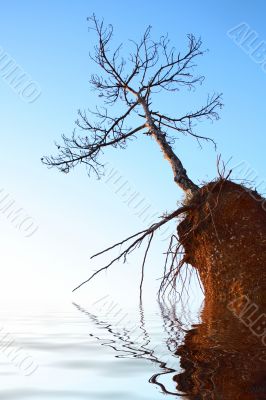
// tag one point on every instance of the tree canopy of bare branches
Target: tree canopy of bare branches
(152, 66)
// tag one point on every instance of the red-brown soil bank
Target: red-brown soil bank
(224, 237)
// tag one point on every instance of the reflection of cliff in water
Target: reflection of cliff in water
(222, 360)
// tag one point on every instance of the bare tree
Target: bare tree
(152, 66)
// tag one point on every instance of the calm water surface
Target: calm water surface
(103, 352)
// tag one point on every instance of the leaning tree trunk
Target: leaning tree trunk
(180, 174)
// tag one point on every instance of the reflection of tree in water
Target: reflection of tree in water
(221, 359)
(126, 345)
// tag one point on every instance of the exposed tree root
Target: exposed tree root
(138, 239)
(174, 256)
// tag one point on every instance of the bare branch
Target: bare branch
(88, 149)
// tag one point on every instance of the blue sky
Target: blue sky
(77, 215)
